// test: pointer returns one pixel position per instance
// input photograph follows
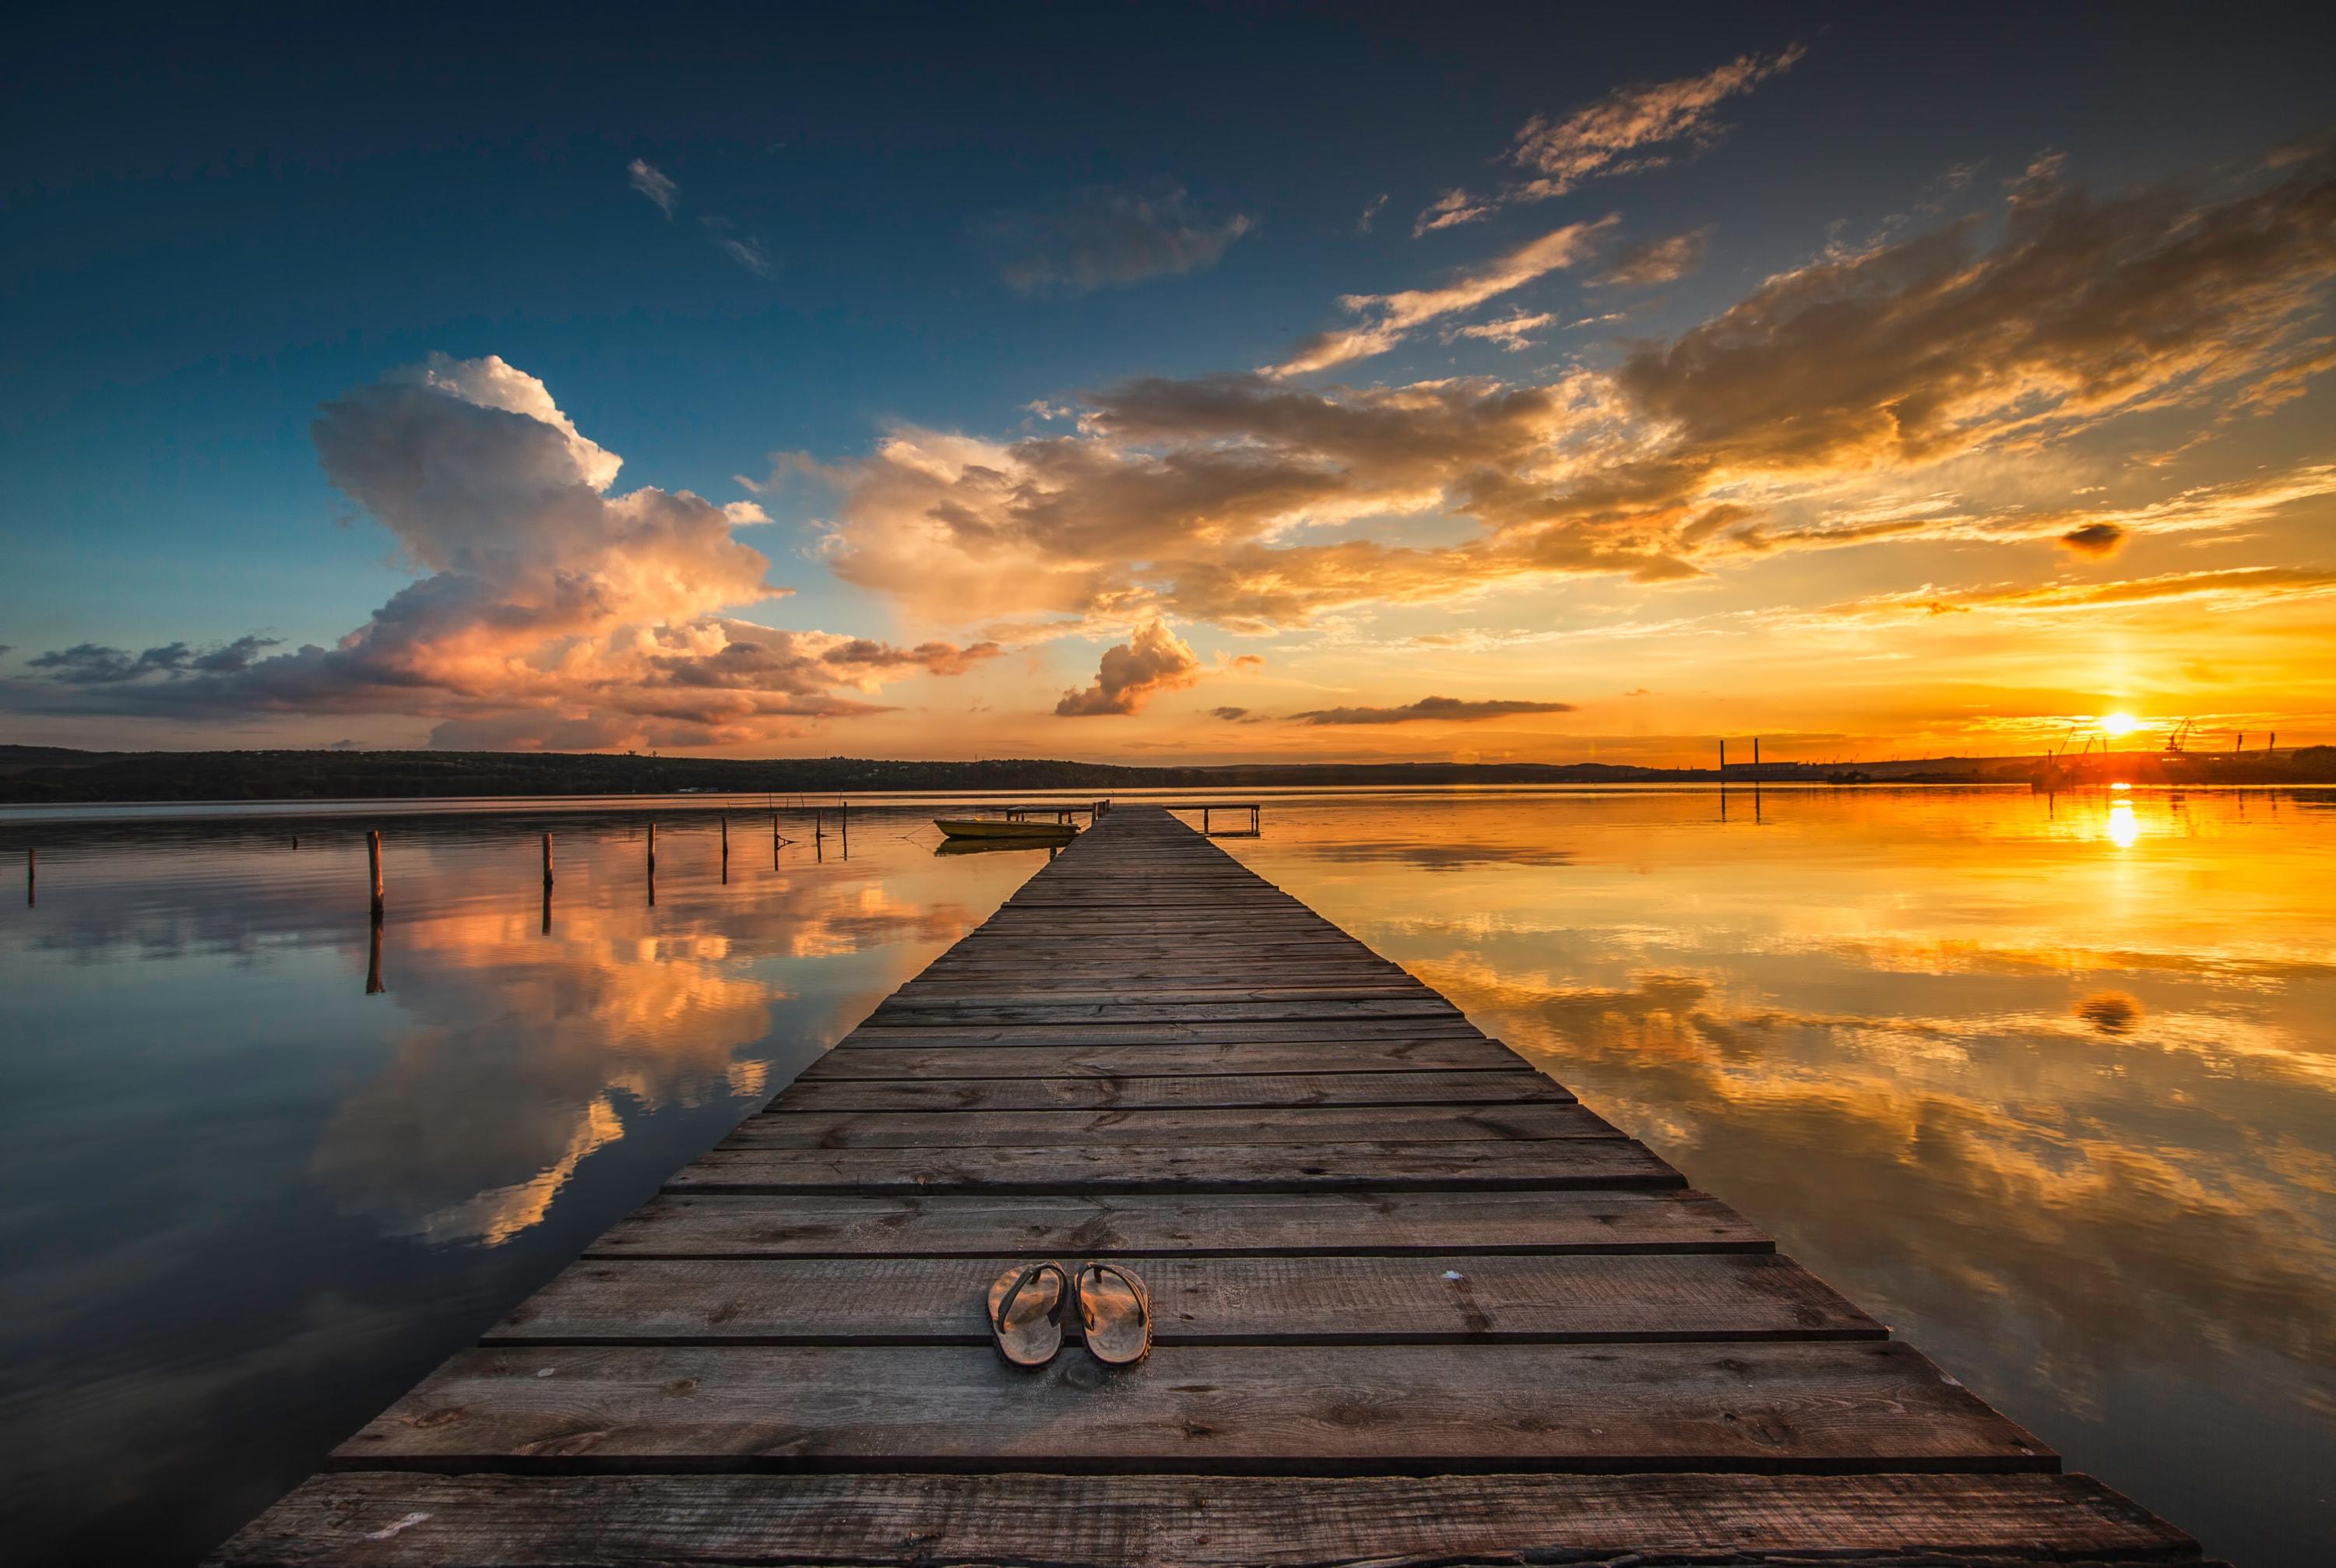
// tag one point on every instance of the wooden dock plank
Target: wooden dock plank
(1040, 1010)
(1283, 1408)
(1164, 1033)
(1462, 1123)
(389, 1519)
(1419, 1299)
(1208, 1090)
(1144, 1225)
(1194, 1167)
(1173, 1060)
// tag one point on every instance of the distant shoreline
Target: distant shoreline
(36, 775)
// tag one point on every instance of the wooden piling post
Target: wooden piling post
(373, 987)
(653, 849)
(32, 875)
(726, 848)
(546, 860)
(373, 858)
(1723, 763)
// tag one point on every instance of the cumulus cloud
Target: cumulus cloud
(1389, 319)
(1101, 236)
(1785, 422)
(1658, 261)
(547, 609)
(1446, 709)
(1630, 131)
(1153, 660)
(653, 183)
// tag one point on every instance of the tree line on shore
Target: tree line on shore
(36, 774)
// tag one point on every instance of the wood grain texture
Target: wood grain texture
(896, 1013)
(1227, 1059)
(1155, 1032)
(425, 1521)
(1205, 1090)
(1419, 1299)
(1296, 1409)
(1196, 1167)
(1144, 1225)
(1258, 1128)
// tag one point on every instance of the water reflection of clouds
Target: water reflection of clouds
(2067, 1115)
(247, 1202)
(525, 1054)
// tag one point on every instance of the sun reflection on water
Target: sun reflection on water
(2061, 1117)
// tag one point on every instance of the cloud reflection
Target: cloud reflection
(2061, 1116)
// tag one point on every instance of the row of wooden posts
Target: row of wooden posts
(819, 834)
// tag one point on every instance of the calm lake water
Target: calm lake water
(2048, 1085)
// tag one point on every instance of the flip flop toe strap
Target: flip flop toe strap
(1054, 1314)
(1143, 1298)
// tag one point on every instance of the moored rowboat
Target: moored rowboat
(977, 828)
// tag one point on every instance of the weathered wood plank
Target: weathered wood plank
(1297, 1127)
(1209, 1089)
(1327, 1300)
(1304, 1409)
(1197, 1167)
(1157, 1033)
(953, 1014)
(1070, 988)
(399, 1520)
(1143, 1225)
(920, 995)
(1111, 1060)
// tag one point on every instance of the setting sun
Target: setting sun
(2121, 723)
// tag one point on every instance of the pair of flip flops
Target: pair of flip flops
(1027, 1303)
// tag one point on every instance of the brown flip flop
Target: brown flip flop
(1116, 1310)
(1031, 1337)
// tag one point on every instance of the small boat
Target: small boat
(991, 828)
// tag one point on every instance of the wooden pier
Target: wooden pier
(1414, 1305)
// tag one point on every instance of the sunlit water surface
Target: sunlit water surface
(2048, 1085)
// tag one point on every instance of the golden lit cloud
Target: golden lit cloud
(550, 611)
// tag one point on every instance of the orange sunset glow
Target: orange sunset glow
(1591, 459)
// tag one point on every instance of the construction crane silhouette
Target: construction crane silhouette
(2176, 736)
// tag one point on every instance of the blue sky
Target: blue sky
(924, 219)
